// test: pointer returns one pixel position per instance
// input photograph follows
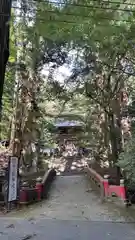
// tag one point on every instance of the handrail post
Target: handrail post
(39, 188)
(123, 192)
(23, 194)
(106, 186)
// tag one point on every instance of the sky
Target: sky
(60, 74)
(63, 72)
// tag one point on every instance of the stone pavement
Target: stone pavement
(73, 211)
(43, 229)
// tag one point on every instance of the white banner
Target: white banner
(13, 178)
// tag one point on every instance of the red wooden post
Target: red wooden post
(23, 194)
(39, 188)
(106, 185)
(122, 190)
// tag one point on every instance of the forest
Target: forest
(72, 59)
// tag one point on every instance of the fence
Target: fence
(40, 191)
(106, 189)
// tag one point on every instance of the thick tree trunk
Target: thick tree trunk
(5, 10)
(114, 143)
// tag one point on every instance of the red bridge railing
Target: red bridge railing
(106, 189)
(40, 191)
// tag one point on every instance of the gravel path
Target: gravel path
(72, 198)
(68, 165)
(73, 211)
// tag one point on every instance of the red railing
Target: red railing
(28, 195)
(106, 189)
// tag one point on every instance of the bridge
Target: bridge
(73, 210)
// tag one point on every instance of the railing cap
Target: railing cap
(39, 179)
(25, 184)
(106, 176)
(121, 181)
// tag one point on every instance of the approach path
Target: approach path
(73, 211)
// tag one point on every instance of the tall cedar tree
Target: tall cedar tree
(5, 13)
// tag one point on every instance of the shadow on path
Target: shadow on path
(69, 165)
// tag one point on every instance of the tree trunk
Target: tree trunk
(114, 143)
(5, 11)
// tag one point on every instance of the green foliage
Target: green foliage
(7, 112)
(8, 94)
(127, 161)
(46, 128)
(100, 38)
